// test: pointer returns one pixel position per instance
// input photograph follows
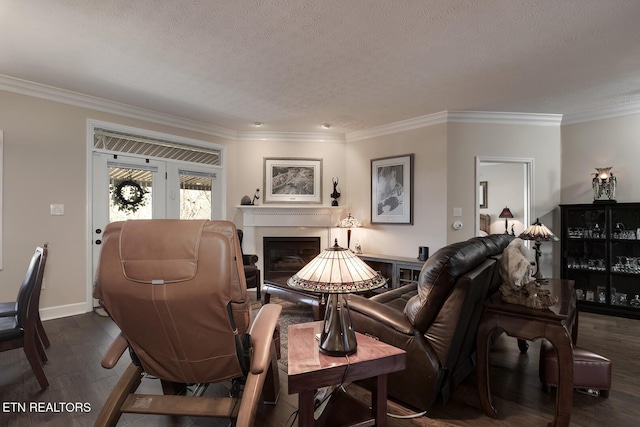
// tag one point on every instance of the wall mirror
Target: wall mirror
(511, 181)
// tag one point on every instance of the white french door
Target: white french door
(128, 187)
(115, 183)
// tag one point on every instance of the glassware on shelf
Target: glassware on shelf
(619, 266)
(618, 230)
(621, 298)
(580, 294)
(635, 302)
(589, 296)
(602, 296)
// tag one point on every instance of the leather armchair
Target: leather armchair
(435, 320)
(251, 270)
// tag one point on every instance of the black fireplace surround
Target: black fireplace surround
(285, 256)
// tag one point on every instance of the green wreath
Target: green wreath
(128, 195)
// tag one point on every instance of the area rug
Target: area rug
(292, 313)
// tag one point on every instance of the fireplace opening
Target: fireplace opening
(285, 256)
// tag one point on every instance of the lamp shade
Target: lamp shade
(538, 232)
(336, 270)
(506, 213)
(349, 222)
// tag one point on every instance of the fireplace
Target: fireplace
(285, 256)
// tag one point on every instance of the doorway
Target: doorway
(507, 182)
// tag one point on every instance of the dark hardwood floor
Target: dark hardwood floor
(75, 375)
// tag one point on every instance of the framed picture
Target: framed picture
(482, 195)
(392, 190)
(289, 180)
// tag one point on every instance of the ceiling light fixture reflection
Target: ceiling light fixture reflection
(326, 125)
(257, 124)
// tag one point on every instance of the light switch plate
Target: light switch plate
(457, 211)
(57, 209)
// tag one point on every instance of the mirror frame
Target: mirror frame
(528, 185)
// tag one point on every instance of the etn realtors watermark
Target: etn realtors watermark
(45, 407)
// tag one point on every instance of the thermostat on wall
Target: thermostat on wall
(457, 225)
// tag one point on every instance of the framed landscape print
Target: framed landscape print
(392, 190)
(289, 180)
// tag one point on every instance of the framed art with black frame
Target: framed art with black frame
(392, 190)
(292, 180)
(483, 194)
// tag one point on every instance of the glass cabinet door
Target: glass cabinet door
(625, 257)
(585, 252)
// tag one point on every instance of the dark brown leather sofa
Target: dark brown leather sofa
(435, 320)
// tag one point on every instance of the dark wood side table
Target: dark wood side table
(558, 324)
(309, 370)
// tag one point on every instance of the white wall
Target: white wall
(465, 141)
(601, 143)
(429, 146)
(245, 173)
(45, 152)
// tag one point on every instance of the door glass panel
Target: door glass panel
(130, 193)
(195, 195)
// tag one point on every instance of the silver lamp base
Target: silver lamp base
(338, 337)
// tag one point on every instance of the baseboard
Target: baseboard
(50, 313)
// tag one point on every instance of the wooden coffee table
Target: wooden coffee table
(309, 370)
(558, 324)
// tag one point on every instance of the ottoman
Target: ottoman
(590, 370)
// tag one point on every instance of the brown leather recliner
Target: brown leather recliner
(251, 270)
(177, 291)
(435, 320)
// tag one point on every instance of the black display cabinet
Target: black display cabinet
(601, 253)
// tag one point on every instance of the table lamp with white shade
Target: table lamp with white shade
(337, 271)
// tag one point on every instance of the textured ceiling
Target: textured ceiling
(356, 64)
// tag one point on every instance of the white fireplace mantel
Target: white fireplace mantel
(286, 216)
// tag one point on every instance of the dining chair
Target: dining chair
(20, 331)
(9, 309)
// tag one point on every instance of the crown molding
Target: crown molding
(11, 84)
(50, 93)
(454, 116)
(502, 118)
(290, 136)
(602, 113)
(401, 126)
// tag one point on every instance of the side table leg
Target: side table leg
(559, 337)
(305, 408)
(488, 323)
(379, 401)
